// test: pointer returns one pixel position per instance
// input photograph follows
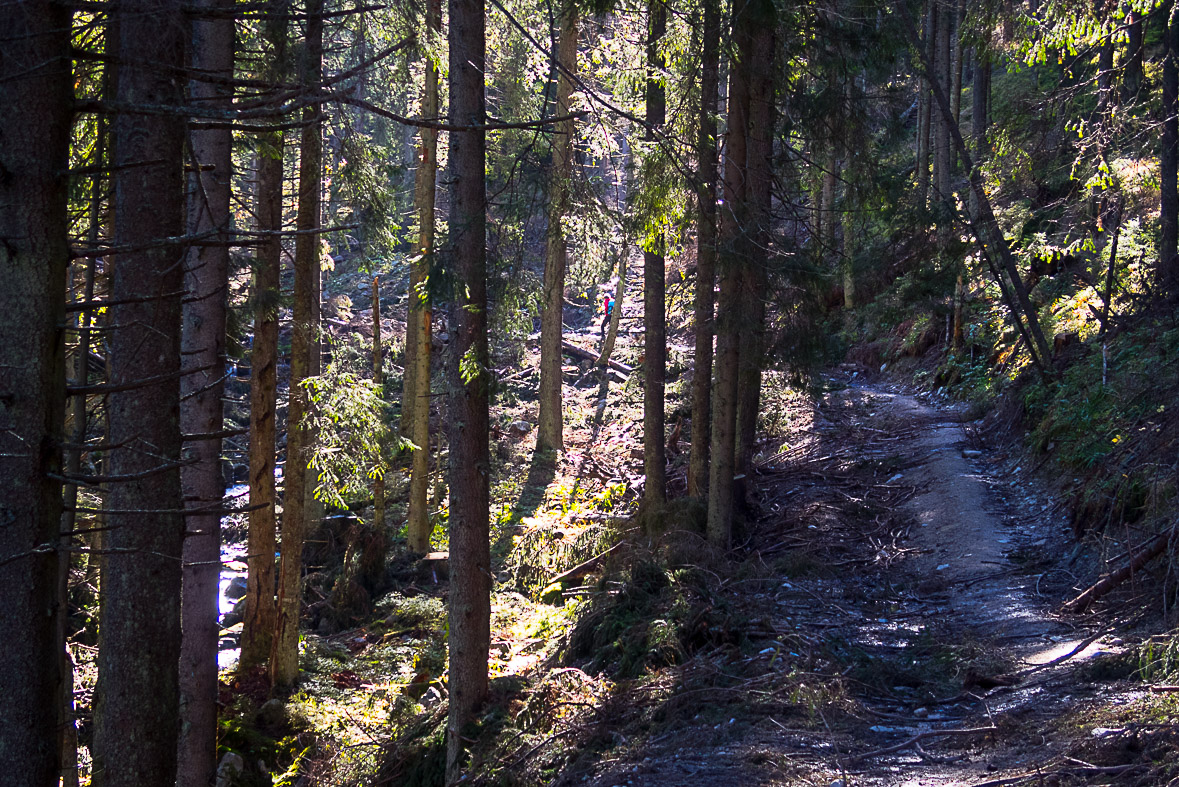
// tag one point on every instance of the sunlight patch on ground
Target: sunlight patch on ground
(1063, 648)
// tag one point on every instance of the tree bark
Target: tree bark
(759, 178)
(34, 76)
(418, 529)
(731, 260)
(261, 614)
(1132, 75)
(203, 345)
(980, 97)
(1168, 273)
(284, 660)
(470, 560)
(379, 382)
(603, 358)
(704, 320)
(925, 113)
(654, 312)
(958, 54)
(137, 695)
(549, 431)
(943, 155)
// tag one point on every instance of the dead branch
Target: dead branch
(1110, 581)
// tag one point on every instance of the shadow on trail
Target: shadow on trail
(541, 473)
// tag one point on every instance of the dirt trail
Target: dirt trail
(934, 658)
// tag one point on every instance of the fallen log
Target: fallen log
(590, 355)
(581, 569)
(1153, 549)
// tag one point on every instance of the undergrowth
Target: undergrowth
(1109, 421)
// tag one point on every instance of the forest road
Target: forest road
(922, 649)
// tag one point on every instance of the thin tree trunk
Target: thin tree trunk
(847, 273)
(1168, 273)
(34, 77)
(379, 382)
(654, 312)
(830, 169)
(980, 97)
(261, 615)
(956, 56)
(284, 660)
(830, 183)
(313, 506)
(420, 309)
(731, 259)
(549, 432)
(203, 345)
(137, 695)
(470, 560)
(705, 325)
(925, 113)
(942, 149)
(603, 359)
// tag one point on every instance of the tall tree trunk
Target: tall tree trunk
(925, 109)
(1105, 67)
(956, 56)
(284, 660)
(759, 178)
(379, 382)
(942, 148)
(418, 529)
(980, 98)
(1132, 76)
(1168, 272)
(137, 694)
(470, 559)
(261, 614)
(704, 322)
(830, 166)
(549, 431)
(550, 434)
(732, 251)
(203, 345)
(34, 77)
(830, 184)
(654, 312)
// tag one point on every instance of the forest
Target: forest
(379, 403)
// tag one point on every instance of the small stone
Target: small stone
(272, 714)
(235, 615)
(971, 453)
(519, 428)
(229, 769)
(235, 588)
